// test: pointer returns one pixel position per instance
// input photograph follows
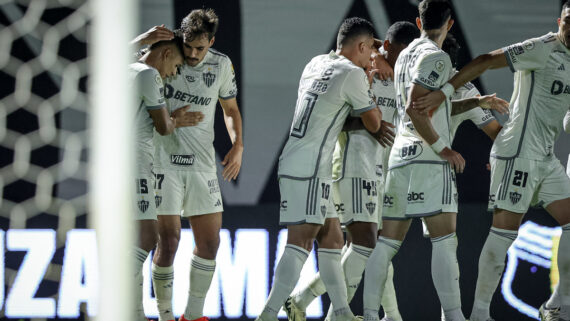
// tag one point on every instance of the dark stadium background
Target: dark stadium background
(416, 295)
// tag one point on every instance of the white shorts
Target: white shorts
(519, 183)
(358, 199)
(144, 192)
(305, 201)
(419, 190)
(187, 193)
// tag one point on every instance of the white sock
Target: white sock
(353, 263)
(491, 266)
(162, 279)
(201, 273)
(331, 273)
(287, 274)
(564, 271)
(389, 302)
(314, 289)
(375, 275)
(445, 275)
(140, 257)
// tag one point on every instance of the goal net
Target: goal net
(62, 116)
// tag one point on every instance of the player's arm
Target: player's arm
(493, 60)
(422, 123)
(492, 129)
(162, 121)
(485, 102)
(232, 118)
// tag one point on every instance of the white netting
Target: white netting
(43, 105)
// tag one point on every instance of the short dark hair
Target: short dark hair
(352, 28)
(177, 42)
(434, 13)
(451, 47)
(402, 32)
(199, 22)
(566, 5)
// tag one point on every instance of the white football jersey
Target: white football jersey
(330, 88)
(149, 97)
(540, 99)
(357, 153)
(479, 116)
(424, 64)
(191, 148)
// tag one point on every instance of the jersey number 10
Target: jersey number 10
(303, 111)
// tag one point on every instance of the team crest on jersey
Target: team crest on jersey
(157, 200)
(323, 210)
(439, 65)
(528, 45)
(143, 205)
(209, 78)
(371, 206)
(515, 197)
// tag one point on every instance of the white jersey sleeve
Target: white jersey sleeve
(432, 71)
(151, 89)
(228, 87)
(356, 91)
(530, 54)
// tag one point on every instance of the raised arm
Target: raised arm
(493, 60)
(485, 102)
(232, 118)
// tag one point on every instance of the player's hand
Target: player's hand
(493, 102)
(385, 136)
(381, 68)
(488, 167)
(152, 35)
(185, 118)
(429, 102)
(232, 162)
(454, 158)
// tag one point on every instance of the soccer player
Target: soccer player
(185, 162)
(331, 87)
(161, 60)
(524, 169)
(358, 184)
(420, 180)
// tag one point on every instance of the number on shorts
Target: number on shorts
(142, 188)
(302, 114)
(326, 190)
(158, 181)
(520, 175)
(370, 187)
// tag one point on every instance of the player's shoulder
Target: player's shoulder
(217, 57)
(145, 72)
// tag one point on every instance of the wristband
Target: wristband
(447, 90)
(438, 146)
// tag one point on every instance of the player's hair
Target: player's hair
(566, 5)
(199, 22)
(402, 32)
(176, 42)
(451, 47)
(352, 28)
(434, 13)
